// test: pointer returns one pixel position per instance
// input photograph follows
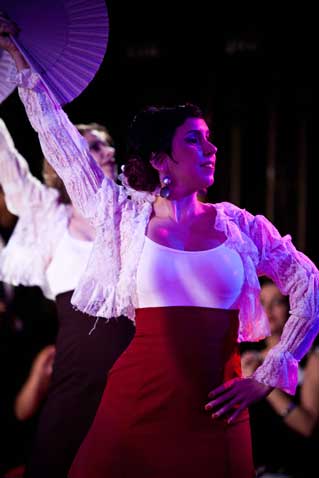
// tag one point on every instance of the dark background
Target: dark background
(251, 67)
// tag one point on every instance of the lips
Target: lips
(208, 164)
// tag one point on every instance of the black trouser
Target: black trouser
(80, 370)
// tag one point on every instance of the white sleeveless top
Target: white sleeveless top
(172, 277)
(68, 263)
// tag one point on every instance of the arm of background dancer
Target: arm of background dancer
(35, 389)
(304, 416)
(301, 417)
(21, 189)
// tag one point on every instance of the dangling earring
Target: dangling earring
(165, 191)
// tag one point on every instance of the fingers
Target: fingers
(232, 408)
(220, 400)
(225, 409)
(229, 399)
(223, 388)
(225, 401)
(7, 26)
(237, 411)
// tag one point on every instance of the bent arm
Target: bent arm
(298, 277)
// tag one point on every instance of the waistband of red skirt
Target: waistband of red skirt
(159, 318)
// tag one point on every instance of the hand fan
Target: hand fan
(63, 40)
(6, 63)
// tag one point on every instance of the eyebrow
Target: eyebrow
(196, 131)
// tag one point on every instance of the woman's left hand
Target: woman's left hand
(7, 28)
(234, 396)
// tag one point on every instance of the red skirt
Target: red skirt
(151, 422)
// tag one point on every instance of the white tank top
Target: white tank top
(171, 277)
(68, 263)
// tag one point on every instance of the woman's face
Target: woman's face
(193, 158)
(102, 152)
(276, 307)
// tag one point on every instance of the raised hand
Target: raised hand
(7, 29)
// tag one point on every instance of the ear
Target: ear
(159, 161)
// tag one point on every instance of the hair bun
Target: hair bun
(141, 175)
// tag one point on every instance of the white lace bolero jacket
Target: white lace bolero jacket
(120, 216)
(42, 220)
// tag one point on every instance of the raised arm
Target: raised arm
(62, 145)
(21, 189)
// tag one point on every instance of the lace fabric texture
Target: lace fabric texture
(42, 220)
(120, 217)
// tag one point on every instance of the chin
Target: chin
(108, 172)
(207, 183)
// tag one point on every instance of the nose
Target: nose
(104, 151)
(210, 149)
(108, 152)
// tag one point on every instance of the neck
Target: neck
(178, 210)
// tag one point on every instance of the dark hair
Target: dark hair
(152, 131)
